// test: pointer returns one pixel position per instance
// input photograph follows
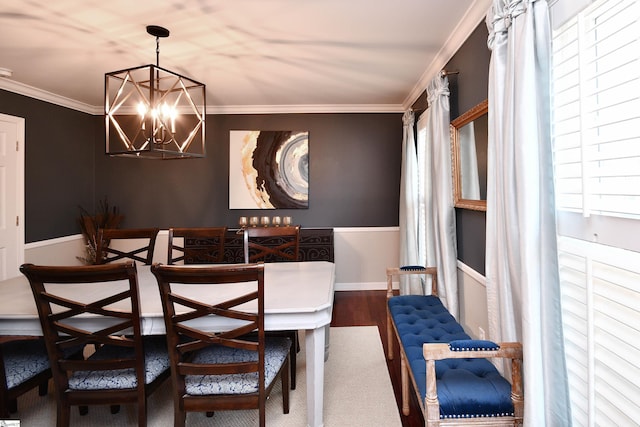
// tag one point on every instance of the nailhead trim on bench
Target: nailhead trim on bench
(473, 345)
(477, 416)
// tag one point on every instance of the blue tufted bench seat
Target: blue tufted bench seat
(454, 381)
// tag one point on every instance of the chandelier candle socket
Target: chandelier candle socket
(151, 112)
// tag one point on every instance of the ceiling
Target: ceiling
(253, 55)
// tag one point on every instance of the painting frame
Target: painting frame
(268, 169)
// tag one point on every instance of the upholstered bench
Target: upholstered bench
(450, 374)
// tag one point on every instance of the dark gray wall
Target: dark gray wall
(470, 86)
(59, 164)
(354, 171)
(354, 174)
(468, 89)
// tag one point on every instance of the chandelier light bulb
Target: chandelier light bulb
(142, 110)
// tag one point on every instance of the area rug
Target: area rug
(357, 393)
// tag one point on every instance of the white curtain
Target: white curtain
(523, 289)
(434, 156)
(409, 207)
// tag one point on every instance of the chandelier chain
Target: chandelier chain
(157, 51)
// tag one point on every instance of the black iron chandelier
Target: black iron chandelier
(151, 112)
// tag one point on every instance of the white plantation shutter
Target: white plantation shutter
(596, 99)
(597, 110)
(563, 10)
(601, 317)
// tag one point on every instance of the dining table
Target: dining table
(298, 296)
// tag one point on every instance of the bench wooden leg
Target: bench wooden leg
(404, 375)
(389, 324)
(390, 336)
(516, 390)
(431, 404)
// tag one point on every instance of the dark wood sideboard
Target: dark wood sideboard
(316, 244)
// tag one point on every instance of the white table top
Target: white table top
(298, 295)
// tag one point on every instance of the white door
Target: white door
(11, 195)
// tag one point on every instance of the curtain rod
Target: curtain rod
(445, 73)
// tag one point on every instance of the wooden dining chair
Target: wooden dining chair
(24, 365)
(200, 245)
(221, 370)
(271, 244)
(275, 244)
(136, 244)
(120, 365)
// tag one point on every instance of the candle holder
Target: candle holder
(275, 221)
(264, 221)
(242, 222)
(253, 221)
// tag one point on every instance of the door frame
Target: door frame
(18, 181)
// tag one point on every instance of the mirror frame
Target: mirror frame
(454, 127)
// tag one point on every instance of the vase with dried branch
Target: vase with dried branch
(106, 217)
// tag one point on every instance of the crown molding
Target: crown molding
(43, 95)
(97, 110)
(293, 109)
(475, 14)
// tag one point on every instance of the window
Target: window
(597, 105)
(596, 98)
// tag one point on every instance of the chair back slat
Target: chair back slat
(200, 245)
(144, 240)
(272, 244)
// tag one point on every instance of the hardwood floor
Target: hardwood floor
(368, 308)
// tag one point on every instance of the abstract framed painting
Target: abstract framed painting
(268, 169)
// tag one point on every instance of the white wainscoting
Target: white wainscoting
(472, 299)
(59, 251)
(361, 254)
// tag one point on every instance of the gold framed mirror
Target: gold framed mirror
(469, 140)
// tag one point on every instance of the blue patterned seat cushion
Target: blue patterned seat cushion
(467, 388)
(276, 351)
(156, 362)
(24, 359)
